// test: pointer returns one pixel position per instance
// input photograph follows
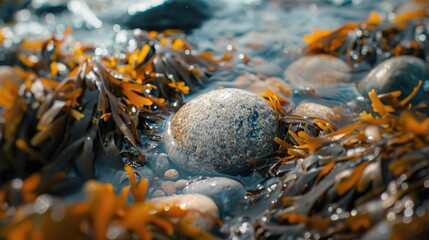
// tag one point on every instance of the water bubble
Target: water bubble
(307, 235)
(408, 212)
(409, 204)
(391, 216)
(17, 183)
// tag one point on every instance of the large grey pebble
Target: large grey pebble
(225, 191)
(318, 70)
(398, 73)
(221, 132)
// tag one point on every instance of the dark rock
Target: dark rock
(49, 6)
(398, 73)
(161, 14)
(9, 7)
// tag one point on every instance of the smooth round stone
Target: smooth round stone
(171, 174)
(192, 202)
(181, 183)
(318, 70)
(259, 65)
(224, 191)
(160, 163)
(310, 109)
(221, 132)
(398, 73)
(169, 187)
(158, 193)
(258, 85)
(158, 15)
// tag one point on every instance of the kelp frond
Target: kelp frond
(101, 214)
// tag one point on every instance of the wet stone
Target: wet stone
(310, 109)
(192, 202)
(224, 191)
(398, 73)
(261, 66)
(221, 132)
(180, 184)
(171, 174)
(161, 163)
(158, 15)
(258, 85)
(144, 172)
(158, 193)
(318, 70)
(169, 187)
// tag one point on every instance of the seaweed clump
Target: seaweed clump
(373, 41)
(366, 180)
(73, 109)
(104, 215)
(71, 112)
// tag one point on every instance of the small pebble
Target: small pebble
(161, 163)
(310, 109)
(158, 193)
(171, 174)
(261, 66)
(224, 191)
(180, 184)
(221, 132)
(318, 70)
(191, 202)
(398, 73)
(144, 172)
(258, 85)
(264, 42)
(169, 187)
